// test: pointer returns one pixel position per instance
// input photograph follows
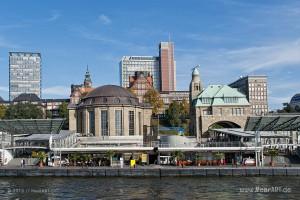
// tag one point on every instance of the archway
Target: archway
(220, 125)
(224, 124)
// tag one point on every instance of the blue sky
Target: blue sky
(228, 38)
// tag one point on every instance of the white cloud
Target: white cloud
(104, 19)
(54, 16)
(248, 60)
(57, 90)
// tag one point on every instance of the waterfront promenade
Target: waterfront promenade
(147, 171)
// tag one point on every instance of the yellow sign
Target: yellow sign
(132, 163)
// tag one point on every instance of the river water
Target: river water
(151, 188)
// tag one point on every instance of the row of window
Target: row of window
(234, 112)
(104, 122)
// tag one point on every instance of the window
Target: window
(237, 111)
(104, 123)
(118, 122)
(206, 100)
(131, 122)
(207, 112)
(92, 122)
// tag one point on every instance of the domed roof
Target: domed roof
(295, 98)
(109, 91)
(110, 95)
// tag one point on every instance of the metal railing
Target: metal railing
(227, 144)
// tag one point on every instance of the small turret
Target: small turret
(87, 80)
(195, 85)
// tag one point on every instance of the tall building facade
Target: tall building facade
(24, 74)
(161, 68)
(167, 66)
(256, 90)
(129, 65)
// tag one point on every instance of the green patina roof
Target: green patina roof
(221, 95)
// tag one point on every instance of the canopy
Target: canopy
(273, 123)
(31, 126)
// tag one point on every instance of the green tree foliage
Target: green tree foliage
(153, 97)
(64, 113)
(24, 111)
(177, 113)
(2, 111)
(185, 106)
(174, 114)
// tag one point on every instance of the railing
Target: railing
(226, 144)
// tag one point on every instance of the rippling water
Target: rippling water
(149, 188)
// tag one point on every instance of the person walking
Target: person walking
(22, 163)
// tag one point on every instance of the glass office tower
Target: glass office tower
(24, 74)
(147, 64)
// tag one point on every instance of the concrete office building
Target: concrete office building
(256, 90)
(24, 74)
(129, 65)
(167, 66)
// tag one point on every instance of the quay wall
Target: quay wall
(148, 172)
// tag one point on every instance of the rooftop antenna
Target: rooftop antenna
(196, 67)
(169, 37)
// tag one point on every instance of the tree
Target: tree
(174, 114)
(185, 107)
(109, 154)
(64, 113)
(24, 111)
(273, 153)
(179, 156)
(153, 97)
(177, 113)
(41, 156)
(2, 111)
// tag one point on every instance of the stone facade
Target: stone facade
(221, 115)
(216, 105)
(98, 109)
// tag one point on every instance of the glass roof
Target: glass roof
(31, 126)
(273, 123)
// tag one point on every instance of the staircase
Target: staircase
(28, 162)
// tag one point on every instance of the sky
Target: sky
(227, 38)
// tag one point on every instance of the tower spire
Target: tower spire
(87, 78)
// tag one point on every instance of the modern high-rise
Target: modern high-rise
(161, 68)
(167, 66)
(129, 65)
(256, 90)
(24, 74)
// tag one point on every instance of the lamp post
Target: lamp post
(257, 155)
